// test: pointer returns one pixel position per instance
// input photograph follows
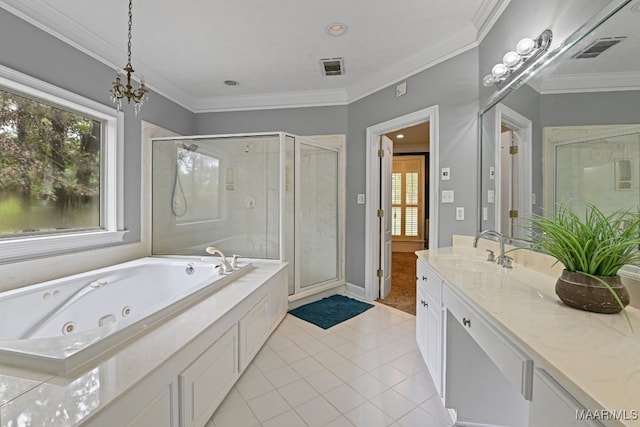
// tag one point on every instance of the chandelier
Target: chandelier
(119, 90)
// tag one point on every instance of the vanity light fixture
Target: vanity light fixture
(527, 50)
(119, 90)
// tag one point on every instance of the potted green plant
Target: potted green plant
(592, 249)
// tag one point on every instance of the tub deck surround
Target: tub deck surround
(595, 356)
(149, 289)
(40, 397)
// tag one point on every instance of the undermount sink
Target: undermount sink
(460, 262)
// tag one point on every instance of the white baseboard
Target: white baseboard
(356, 291)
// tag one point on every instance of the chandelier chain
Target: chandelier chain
(124, 90)
(129, 40)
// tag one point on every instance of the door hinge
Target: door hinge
(380, 213)
(513, 213)
(380, 152)
(513, 149)
(380, 273)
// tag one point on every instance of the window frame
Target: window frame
(111, 230)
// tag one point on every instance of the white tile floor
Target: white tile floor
(366, 371)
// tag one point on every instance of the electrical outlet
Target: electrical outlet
(459, 213)
(360, 199)
(492, 173)
(447, 196)
(485, 214)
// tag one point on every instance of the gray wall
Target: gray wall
(523, 18)
(453, 86)
(44, 57)
(299, 121)
(596, 108)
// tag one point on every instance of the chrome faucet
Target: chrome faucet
(502, 259)
(212, 250)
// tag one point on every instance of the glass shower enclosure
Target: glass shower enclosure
(267, 195)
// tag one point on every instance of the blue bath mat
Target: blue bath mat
(330, 311)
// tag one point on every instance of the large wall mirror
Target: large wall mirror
(568, 130)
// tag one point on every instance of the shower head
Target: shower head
(190, 147)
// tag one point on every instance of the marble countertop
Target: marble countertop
(29, 398)
(596, 356)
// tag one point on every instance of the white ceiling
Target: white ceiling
(186, 49)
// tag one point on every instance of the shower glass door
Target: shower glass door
(317, 207)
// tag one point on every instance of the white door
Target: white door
(386, 168)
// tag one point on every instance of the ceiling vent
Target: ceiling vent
(332, 66)
(598, 46)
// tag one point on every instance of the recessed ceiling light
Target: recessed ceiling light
(232, 82)
(336, 29)
(400, 136)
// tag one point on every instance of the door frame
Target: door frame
(372, 196)
(523, 126)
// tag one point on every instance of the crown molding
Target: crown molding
(269, 101)
(46, 18)
(43, 16)
(428, 58)
(487, 15)
(591, 82)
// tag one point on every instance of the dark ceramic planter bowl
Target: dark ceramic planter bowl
(586, 293)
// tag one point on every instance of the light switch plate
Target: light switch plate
(459, 213)
(447, 196)
(491, 196)
(485, 214)
(492, 173)
(360, 199)
(446, 174)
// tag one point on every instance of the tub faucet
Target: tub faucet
(212, 250)
(502, 259)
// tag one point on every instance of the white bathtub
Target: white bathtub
(61, 325)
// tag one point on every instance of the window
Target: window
(407, 197)
(58, 174)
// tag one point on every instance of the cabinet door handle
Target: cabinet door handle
(424, 303)
(424, 278)
(466, 322)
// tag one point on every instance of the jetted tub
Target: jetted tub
(61, 325)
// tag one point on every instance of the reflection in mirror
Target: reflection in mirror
(571, 132)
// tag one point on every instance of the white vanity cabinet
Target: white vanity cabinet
(553, 406)
(488, 379)
(488, 374)
(429, 321)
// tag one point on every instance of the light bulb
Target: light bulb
(510, 59)
(499, 70)
(488, 80)
(525, 46)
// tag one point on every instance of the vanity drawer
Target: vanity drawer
(516, 366)
(429, 281)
